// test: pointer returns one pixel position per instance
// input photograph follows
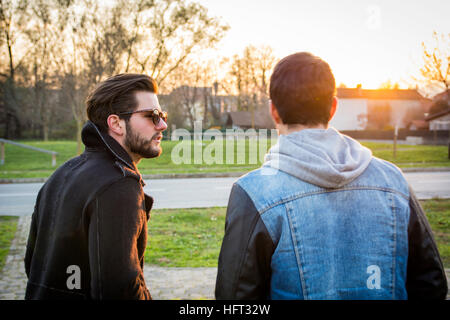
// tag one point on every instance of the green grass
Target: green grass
(411, 155)
(23, 163)
(438, 214)
(185, 237)
(8, 226)
(192, 237)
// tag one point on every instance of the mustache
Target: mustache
(156, 135)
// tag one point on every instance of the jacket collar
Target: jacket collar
(93, 138)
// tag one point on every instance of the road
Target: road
(18, 199)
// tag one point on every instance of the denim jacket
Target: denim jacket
(324, 219)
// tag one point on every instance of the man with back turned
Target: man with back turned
(323, 218)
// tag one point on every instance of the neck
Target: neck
(134, 157)
(291, 128)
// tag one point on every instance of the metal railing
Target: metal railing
(2, 146)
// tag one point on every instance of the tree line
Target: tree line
(55, 51)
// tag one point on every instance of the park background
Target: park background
(212, 61)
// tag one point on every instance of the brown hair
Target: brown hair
(302, 87)
(115, 95)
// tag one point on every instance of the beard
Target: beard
(141, 146)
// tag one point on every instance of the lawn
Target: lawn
(23, 163)
(185, 237)
(8, 226)
(192, 237)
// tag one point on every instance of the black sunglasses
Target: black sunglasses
(155, 114)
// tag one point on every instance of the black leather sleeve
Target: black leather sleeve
(244, 262)
(31, 243)
(117, 221)
(425, 275)
(32, 235)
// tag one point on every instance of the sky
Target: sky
(367, 42)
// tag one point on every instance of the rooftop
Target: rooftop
(379, 94)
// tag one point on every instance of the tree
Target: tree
(11, 18)
(172, 32)
(68, 46)
(45, 38)
(435, 71)
(98, 45)
(389, 85)
(250, 76)
(121, 42)
(188, 92)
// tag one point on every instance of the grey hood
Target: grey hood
(323, 157)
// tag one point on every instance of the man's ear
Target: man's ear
(274, 113)
(333, 109)
(116, 125)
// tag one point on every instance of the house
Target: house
(445, 95)
(243, 120)
(418, 125)
(358, 107)
(439, 121)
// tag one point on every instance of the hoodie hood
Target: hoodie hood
(323, 157)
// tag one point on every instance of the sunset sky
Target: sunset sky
(364, 41)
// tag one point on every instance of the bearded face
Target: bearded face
(146, 148)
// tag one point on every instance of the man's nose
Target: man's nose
(161, 126)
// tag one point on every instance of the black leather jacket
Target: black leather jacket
(92, 214)
(244, 269)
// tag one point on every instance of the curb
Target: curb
(202, 175)
(194, 175)
(432, 169)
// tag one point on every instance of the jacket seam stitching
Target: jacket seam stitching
(57, 201)
(95, 198)
(105, 187)
(255, 220)
(254, 223)
(394, 247)
(295, 197)
(297, 255)
(98, 250)
(51, 288)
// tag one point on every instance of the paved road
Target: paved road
(18, 199)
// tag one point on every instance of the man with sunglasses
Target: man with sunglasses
(89, 228)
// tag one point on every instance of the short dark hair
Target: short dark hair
(302, 87)
(116, 94)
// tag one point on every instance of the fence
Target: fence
(2, 144)
(436, 137)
